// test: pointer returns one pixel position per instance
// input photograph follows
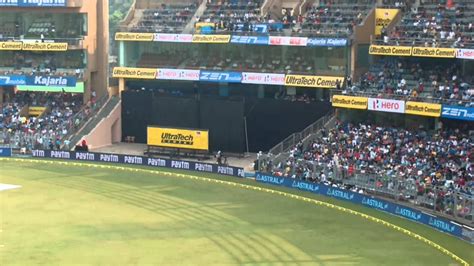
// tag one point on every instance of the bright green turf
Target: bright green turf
(71, 215)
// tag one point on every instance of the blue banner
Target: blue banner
(327, 42)
(368, 201)
(258, 40)
(220, 76)
(5, 152)
(51, 81)
(141, 160)
(13, 80)
(34, 3)
(458, 112)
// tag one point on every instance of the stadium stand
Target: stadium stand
(70, 64)
(334, 18)
(434, 24)
(428, 168)
(167, 18)
(19, 128)
(416, 80)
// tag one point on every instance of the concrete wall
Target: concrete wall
(108, 131)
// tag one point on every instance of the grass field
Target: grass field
(70, 215)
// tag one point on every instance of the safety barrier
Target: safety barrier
(438, 223)
(140, 160)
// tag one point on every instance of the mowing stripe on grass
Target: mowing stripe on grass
(256, 188)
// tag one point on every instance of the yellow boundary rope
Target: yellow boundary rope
(281, 193)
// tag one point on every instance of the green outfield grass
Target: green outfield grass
(65, 215)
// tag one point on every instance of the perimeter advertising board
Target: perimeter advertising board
(386, 105)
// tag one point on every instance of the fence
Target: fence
(441, 200)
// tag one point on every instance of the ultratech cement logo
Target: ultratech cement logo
(390, 50)
(131, 36)
(424, 109)
(45, 46)
(351, 102)
(168, 138)
(137, 73)
(313, 81)
(434, 52)
(11, 46)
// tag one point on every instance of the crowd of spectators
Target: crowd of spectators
(167, 18)
(31, 63)
(293, 61)
(333, 17)
(239, 15)
(435, 23)
(416, 80)
(46, 131)
(436, 163)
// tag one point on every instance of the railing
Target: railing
(403, 97)
(451, 204)
(295, 138)
(81, 118)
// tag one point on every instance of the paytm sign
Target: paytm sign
(386, 105)
(34, 3)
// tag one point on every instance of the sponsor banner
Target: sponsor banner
(12, 80)
(168, 37)
(178, 138)
(424, 109)
(211, 38)
(351, 102)
(327, 42)
(51, 81)
(435, 222)
(434, 52)
(134, 73)
(258, 40)
(34, 3)
(178, 74)
(55, 46)
(140, 160)
(386, 105)
(11, 46)
(390, 50)
(220, 76)
(383, 18)
(288, 41)
(5, 152)
(134, 36)
(313, 81)
(263, 78)
(79, 88)
(465, 53)
(458, 112)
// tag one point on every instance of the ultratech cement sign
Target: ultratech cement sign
(135, 73)
(178, 138)
(313, 81)
(351, 102)
(423, 109)
(413, 51)
(132, 36)
(390, 50)
(434, 52)
(17, 46)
